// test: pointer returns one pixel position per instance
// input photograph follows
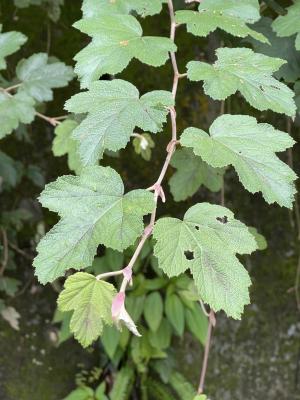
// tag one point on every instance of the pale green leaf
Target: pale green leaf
(229, 15)
(114, 109)
(261, 241)
(279, 47)
(91, 301)
(175, 312)
(81, 393)
(93, 211)
(14, 110)
(143, 145)
(38, 76)
(191, 173)
(206, 242)
(10, 42)
(153, 310)
(287, 25)
(117, 39)
(250, 147)
(65, 144)
(97, 8)
(250, 73)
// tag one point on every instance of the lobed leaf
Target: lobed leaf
(206, 242)
(191, 173)
(250, 147)
(240, 69)
(228, 15)
(93, 211)
(64, 143)
(91, 301)
(288, 24)
(10, 42)
(38, 76)
(97, 8)
(114, 109)
(117, 39)
(15, 110)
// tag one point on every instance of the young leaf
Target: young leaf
(81, 393)
(116, 40)
(114, 109)
(64, 143)
(229, 15)
(91, 301)
(287, 25)
(38, 76)
(206, 242)
(93, 211)
(191, 173)
(97, 8)
(153, 310)
(250, 147)
(175, 313)
(10, 42)
(250, 73)
(14, 110)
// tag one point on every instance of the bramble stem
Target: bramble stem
(5, 251)
(156, 187)
(211, 324)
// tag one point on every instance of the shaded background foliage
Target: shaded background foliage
(257, 358)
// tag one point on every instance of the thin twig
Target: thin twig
(211, 324)
(52, 120)
(158, 190)
(10, 88)
(5, 251)
(20, 251)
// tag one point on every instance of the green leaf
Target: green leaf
(14, 110)
(100, 392)
(9, 285)
(38, 76)
(200, 397)
(206, 242)
(81, 393)
(97, 8)
(93, 211)
(91, 301)
(64, 143)
(250, 147)
(191, 173)
(35, 174)
(182, 386)
(153, 310)
(287, 25)
(175, 313)
(117, 39)
(64, 318)
(110, 339)
(197, 323)
(10, 171)
(114, 109)
(161, 338)
(250, 73)
(122, 384)
(228, 15)
(259, 238)
(10, 42)
(279, 47)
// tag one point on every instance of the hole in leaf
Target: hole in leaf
(189, 255)
(262, 88)
(197, 227)
(223, 220)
